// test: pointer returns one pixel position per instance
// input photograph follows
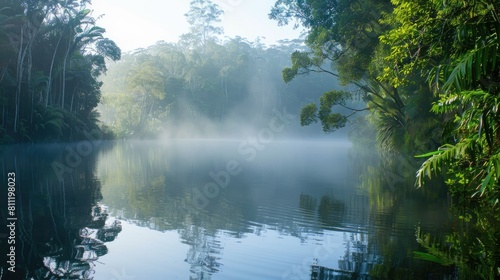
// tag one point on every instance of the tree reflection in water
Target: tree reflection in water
(61, 229)
(87, 249)
(62, 233)
(203, 252)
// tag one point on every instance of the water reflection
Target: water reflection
(298, 211)
(61, 230)
(397, 209)
(203, 254)
(155, 186)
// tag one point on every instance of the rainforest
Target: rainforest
(375, 134)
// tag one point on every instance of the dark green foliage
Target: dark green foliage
(49, 123)
(48, 75)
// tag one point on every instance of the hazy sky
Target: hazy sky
(133, 24)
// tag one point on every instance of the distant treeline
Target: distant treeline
(205, 86)
(218, 89)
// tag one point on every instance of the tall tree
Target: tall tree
(203, 17)
(343, 37)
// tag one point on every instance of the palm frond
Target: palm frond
(445, 154)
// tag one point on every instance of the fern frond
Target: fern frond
(445, 154)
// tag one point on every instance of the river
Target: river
(216, 209)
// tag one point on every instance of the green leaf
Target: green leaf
(486, 183)
(429, 154)
(431, 258)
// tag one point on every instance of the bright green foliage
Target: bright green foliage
(478, 144)
(329, 120)
(427, 33)
(455, 44)
(468, 88)
(344, 41)
(429, 73)
(408, 40)
(302, 63)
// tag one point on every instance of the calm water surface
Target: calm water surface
(212, 209)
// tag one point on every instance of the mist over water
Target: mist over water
(239, 206)
(261, 109)
(250, 119)
(210, 209)
(257, 204)
(293, 160)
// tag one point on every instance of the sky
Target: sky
(136, 24)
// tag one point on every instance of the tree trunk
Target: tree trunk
(31, 90)
(64, 72)
(19, 76)
(3, 116)
(71, 105)
(2, 100)
(63, 89)
(49, 82)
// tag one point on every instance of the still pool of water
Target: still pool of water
(213, 209)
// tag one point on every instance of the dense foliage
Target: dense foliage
(428, 71)
(344, 42)
(51, 53)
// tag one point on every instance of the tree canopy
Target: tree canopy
(52, 54)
